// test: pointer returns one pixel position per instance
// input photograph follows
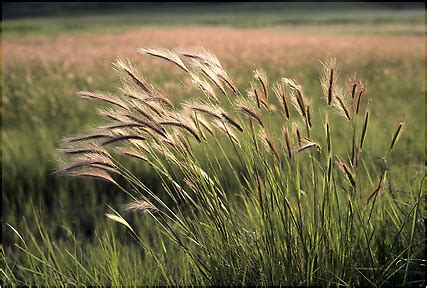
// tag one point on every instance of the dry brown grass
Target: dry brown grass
(268, 45)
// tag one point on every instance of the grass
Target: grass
(259, 213)
(39, 109)
(237, 15)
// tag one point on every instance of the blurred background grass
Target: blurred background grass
(39, 107)
(57, 18)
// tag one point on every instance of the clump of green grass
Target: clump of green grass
(256, 190)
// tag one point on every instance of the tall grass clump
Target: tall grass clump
(257, 188)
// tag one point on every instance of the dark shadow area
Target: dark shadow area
(14, 10)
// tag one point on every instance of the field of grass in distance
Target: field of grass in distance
(410, 20)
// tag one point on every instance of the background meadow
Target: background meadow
(46, 59)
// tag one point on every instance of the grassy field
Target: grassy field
(246, 15)
(53, 226)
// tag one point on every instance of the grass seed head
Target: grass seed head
(165, 54)
(297, 96)
(251, 113)
(268, 142)
(328, 79)
(140, 206)
(396, 134)
(279, 90)
(231, 120)
(261, 76)
(94, 172)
